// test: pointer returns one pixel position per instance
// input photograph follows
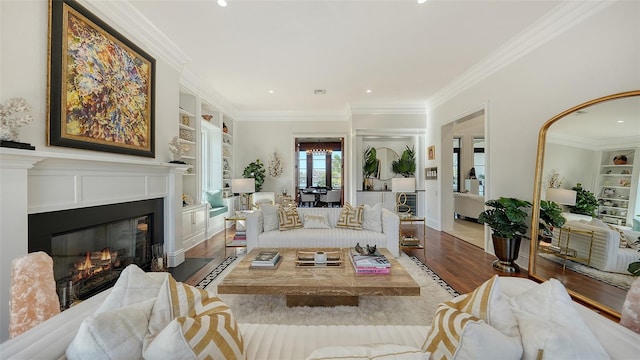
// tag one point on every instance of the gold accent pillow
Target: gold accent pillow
(289, 218)
(186, 320)
(350, 217)
(475, 325)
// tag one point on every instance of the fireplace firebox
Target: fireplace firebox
(91, 246)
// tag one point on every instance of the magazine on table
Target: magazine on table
(266, 258)
(375, 260)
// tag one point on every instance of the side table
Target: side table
(410, 239)
(239, 237)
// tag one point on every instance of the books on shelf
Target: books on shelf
(266, 259)
(370, 264)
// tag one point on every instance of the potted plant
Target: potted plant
(406, 164)
(507, 220)
(370, 166)
(550, 217)
(256, 171)
(586, 202)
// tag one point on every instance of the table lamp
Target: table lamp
(243, 186)
(401, 186)
(561, 196)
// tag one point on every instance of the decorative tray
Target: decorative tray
(307, 259)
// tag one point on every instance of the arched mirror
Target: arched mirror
(588, 164)
(386, 157)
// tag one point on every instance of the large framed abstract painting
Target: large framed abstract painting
(101, 90)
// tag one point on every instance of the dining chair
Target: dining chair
(307, 199)
(331, 197)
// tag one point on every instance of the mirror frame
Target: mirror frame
(397, 156)
(537, 187)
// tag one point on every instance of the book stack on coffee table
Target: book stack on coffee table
(266, 260)
(370, 264)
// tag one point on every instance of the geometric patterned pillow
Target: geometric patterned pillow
(214, 336)
(205, 322)
(289, 218)
(350, 217)
(446, 331)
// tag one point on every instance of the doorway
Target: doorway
(319, 171)
(466, 141)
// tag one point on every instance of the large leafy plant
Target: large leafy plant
(406, 164)
(370, 165)
(507, 217)
(550, 217)
(586, 202)
(256, 171)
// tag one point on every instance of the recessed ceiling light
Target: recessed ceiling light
(222, 3)
(620, 121)
(422, 1)
(271, 91)
(369, 91)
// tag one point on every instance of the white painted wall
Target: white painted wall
(597, 57)
(259, 139)
(576, 165)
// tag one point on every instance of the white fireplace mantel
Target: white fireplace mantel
(39, 181)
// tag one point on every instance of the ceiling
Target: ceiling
(402, 51)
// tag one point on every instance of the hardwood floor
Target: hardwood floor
(459, 263)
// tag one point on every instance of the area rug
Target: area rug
(618, 280)
(372, 310)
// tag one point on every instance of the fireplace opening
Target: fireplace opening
(86, 267)
(91, 246)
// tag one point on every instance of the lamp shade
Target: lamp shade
(243, 186)
(561, 196)
(403, 184)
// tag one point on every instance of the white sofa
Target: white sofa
(606, 253)
(468, 205)
(50, 339)
(331, 238)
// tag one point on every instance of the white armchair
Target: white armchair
(331, 197)
(307, 199)
(264, 197)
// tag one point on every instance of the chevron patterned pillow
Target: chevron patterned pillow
(187, 321)
(474, 325)
(350, 217)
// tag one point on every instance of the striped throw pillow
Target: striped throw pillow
(289, 218)
(350, 217)
(187, 320)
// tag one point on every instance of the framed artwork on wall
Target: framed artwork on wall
(431, 152)
(101, 89)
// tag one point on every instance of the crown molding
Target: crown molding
(412, 109)
(563, 17)
(134, 25)
(593, 144)
(293, 115)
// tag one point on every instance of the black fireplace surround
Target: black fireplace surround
(43, 227)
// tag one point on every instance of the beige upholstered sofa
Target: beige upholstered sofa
(387, 237)
(50, 339)
(606, 253)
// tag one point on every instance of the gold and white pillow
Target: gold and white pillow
(289, 219)
(350, 217)
(187, 320)
(475, 325)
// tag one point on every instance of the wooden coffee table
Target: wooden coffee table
(316, 286)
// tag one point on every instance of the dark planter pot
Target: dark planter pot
(507, 250)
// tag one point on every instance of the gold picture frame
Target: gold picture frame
(431, 152)
(101, 86)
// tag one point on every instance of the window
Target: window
(479, 162)
(336, 170)
(320, 164)
(456, 164)
(211, 157)
(302, 169)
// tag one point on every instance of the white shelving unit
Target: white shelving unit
(227, 155)
(617, 187)
(188, 133)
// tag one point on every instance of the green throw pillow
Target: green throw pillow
(214, 197)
